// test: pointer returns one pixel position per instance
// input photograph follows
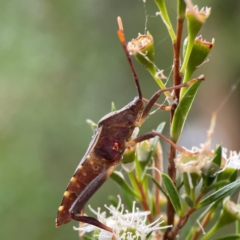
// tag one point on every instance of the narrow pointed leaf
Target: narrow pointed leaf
(189, 201)
(113, 107)
(233, 176)
(218, 156)
(210, 175)
(157, 184)
(221, 193)
(172, 193)
(92, 124)
(124, 185)
(216, 186)
(149, 235)
(228, 174)
(182, 110)
(230, 237)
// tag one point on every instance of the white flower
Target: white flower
(194, 160)
(125, 225)
(233, 160)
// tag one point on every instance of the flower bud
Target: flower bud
(201, 49)
(195, 19)
(229, 214)
(232, 209)
(189, 163)
(202, 164)
(142, 48)
(143, 150)
(128, 162)
(190, 166)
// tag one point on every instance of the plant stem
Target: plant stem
(177, 51)
(143, 201)
(158, 161)
(182, 221)
(172, 154)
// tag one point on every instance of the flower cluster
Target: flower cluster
(125, 225)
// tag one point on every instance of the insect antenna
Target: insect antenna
(123, 42)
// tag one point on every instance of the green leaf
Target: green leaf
(182, 110)
(189, 201)
(216, 186)
(113, 107)
(124, 185)
(153, 147)
(172, 193)
(149, 235)
(166, 20)
(92, 124)
(233, 176)
(210, 170)
(157, 184)
(229, 174)
(230, 237)
(218, 156)
(221, 193)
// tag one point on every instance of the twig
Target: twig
(158, 160)
(172, 154)
(144, 202)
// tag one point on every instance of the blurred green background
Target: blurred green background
(61, 63)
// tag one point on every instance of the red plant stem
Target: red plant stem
(182, 221)
(144, 202)
(158, 159)
(172, 154)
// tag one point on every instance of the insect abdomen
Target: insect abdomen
(83, 175)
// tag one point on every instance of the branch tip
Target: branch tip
(120, 24)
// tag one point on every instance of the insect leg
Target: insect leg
(161, 106)
(152, 135)
(155, 97)
(85, 195)
(91, 221)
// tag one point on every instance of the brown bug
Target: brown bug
(111, 138)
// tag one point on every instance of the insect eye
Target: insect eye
(96, 167)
